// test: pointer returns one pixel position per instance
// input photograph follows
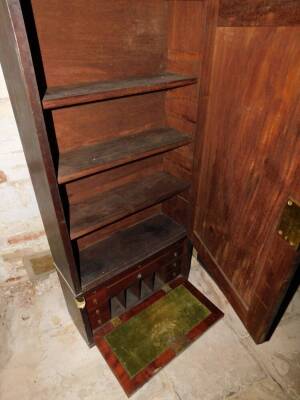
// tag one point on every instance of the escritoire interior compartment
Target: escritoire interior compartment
(118, 88)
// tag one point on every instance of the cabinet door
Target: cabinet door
(249, 154)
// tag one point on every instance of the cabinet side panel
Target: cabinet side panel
(79, 316)
(18, 70)
(184, 57)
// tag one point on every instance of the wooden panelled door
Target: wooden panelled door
(248, 155)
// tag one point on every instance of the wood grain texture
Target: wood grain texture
(124, 223)
(285, 261)
(93, 123)
(101, 209)
(184, 56)
(100, 40)
(127, 248)
(79, 316)
(85, 93)
(82, 189)
(121, 150)
(113, 281)
(177, 208)
(249, 160)
(116, 287)
(19, 73)
(259, 13)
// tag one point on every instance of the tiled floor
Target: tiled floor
(43, 357)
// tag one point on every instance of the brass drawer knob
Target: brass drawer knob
(80, 303)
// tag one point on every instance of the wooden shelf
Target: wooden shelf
(70, 95)
(90, 159)
(126, 248)
(107, 207)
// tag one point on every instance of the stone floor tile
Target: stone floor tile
(214, 366)
(265, 389)
(42, 356)
(280, 357)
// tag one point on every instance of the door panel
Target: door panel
(259, 12)
(249, 159)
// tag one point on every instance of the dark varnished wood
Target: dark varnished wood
(64, 64)
(248, 169)
(106, 207)
(18, 69)
(91, 185)
(100, 40)
(184, 56)
(90, 159)
(113, 282)
(78, 94)
(259, 13)
(177, 207)
(124, 223)
(285, 261)
(230, 89)
(79, 316)
(89, 124)
(120, 289)
(127, 248)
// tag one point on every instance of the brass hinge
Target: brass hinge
(289, 225)
(80, 302)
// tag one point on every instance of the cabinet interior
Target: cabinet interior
(118, 86)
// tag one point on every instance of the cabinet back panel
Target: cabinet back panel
(85, 41)
(87, 187)
(98, 122)
(124, 223)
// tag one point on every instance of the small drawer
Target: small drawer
(170, 271)
(95, 320)
(143, 271)
(130, 287)
(99, 315)
(96, 298)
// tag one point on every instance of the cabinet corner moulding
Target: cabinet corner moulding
(63, 96)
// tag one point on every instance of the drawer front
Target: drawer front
(100, 315)
(166, 266)
(144, 271)
(96, 298)
(170, 271)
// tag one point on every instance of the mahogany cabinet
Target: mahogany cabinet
(152, 126)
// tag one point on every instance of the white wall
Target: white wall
(21, 228)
